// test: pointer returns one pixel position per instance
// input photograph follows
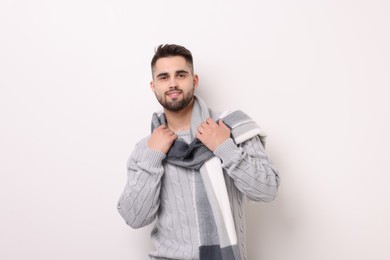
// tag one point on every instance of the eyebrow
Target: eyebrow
(182, 71)
(162, 74)
(176, 72)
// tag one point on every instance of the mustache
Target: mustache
(175, 89)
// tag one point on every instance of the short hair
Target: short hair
(171, 50)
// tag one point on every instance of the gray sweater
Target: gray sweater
(163, 192)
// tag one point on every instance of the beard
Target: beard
(176, 105)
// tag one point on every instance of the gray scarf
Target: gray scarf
(218, 239)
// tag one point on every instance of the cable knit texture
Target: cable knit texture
(162, 192)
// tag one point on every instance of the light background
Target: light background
(75, 98)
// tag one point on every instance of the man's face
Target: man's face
(173, 83)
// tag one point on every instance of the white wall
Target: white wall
(74, 99)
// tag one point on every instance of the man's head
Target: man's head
(171, 50)
(174, 81)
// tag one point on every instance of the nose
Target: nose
(173, 83)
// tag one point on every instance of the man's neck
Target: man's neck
(179, 120)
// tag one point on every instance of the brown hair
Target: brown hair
(170, 50)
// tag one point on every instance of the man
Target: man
(193, 172)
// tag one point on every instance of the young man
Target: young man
(193, 172)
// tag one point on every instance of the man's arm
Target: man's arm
(250, 168)
(247, 164)
(139, 202)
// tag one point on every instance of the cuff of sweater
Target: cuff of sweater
(227, 151)
(153, 158)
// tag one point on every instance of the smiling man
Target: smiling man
(193, 173)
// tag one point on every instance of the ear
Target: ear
(152, 86)
(195, 80)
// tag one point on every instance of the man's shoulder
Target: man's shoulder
(139, 149)
(234, 113)
(143, 141)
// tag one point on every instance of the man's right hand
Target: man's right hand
(161, 139)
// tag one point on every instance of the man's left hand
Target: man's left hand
(213, 134)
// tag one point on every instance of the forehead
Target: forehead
(171, 64)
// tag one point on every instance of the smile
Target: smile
(173, 94)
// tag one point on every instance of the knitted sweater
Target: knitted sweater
(163, 192)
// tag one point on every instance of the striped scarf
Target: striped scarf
(217, 233)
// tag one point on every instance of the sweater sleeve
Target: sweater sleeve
(139, 201)
(248, 165)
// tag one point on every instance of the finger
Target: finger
(161, 127)
(167, 131)
(206, 125)
(221, 123)
(210, 121)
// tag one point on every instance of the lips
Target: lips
(173, 94)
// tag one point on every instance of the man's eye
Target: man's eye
(163, 77)
(182, 75)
